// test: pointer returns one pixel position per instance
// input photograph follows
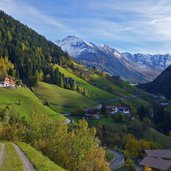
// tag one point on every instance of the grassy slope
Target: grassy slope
(29, 102)
(136, 102)
(12, 161)
(97, 93)
(105, 84)
(154, 135)
(40, 162)
(93, 92)
(62, 100)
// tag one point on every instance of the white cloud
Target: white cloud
(132, 22)
(25, 12)
(148, 19)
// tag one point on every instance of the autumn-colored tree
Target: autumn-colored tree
(5, 65)
(72, 149)
(132, 146)
(94, 160)
(83, 141)
(129, 165)
(147, 168)
(103, 74)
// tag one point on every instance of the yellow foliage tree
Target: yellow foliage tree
(5, 65)
(132, 146)
(147, 168)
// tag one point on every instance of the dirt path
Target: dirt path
(26, 163)
(2, 155)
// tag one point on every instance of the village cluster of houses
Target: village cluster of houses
(115, 109)
(95, 113)
(161, 100)
(8, 82)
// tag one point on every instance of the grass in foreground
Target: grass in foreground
(29, 103)
(40, 162)
(12, 161)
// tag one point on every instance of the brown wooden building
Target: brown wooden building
(158, 160)
(7, 82)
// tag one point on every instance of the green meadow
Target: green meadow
(62, 100)
(25, 102)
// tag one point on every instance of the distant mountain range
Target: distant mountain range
(135, 68)
(161, 85)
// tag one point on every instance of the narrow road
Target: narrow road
(118, 162)
(2, 155)
(26, 163)
(120, 98)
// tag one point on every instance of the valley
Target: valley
(73, 105)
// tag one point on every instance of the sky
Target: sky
(136, 26)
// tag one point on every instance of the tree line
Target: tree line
(30, 52)
(74, 147)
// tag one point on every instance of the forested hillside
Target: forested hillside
(31, 54)
(161, 85)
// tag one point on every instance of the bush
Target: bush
(120, 117)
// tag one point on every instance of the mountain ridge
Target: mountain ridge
(130, 67)
(161, 85)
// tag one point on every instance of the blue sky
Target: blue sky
(127, 25)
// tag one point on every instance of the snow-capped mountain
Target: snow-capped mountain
(136, 68)
(75, 46)
(147, 60)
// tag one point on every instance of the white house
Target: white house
(114, 109)
(7, 82)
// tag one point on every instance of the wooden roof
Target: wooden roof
(166, 154)
(156, 163)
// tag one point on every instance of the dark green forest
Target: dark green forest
(161, 85)
(32, 54)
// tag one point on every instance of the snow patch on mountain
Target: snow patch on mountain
(131, 67)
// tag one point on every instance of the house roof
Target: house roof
(110, 107)
(156, 163)
(2, 78)
(159, 153)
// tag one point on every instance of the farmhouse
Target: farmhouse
(7, 82)
(111, 109)
(93, 113)
(114, 109)
(157, 160)
(124, 110)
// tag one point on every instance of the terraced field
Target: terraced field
(23, 157)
